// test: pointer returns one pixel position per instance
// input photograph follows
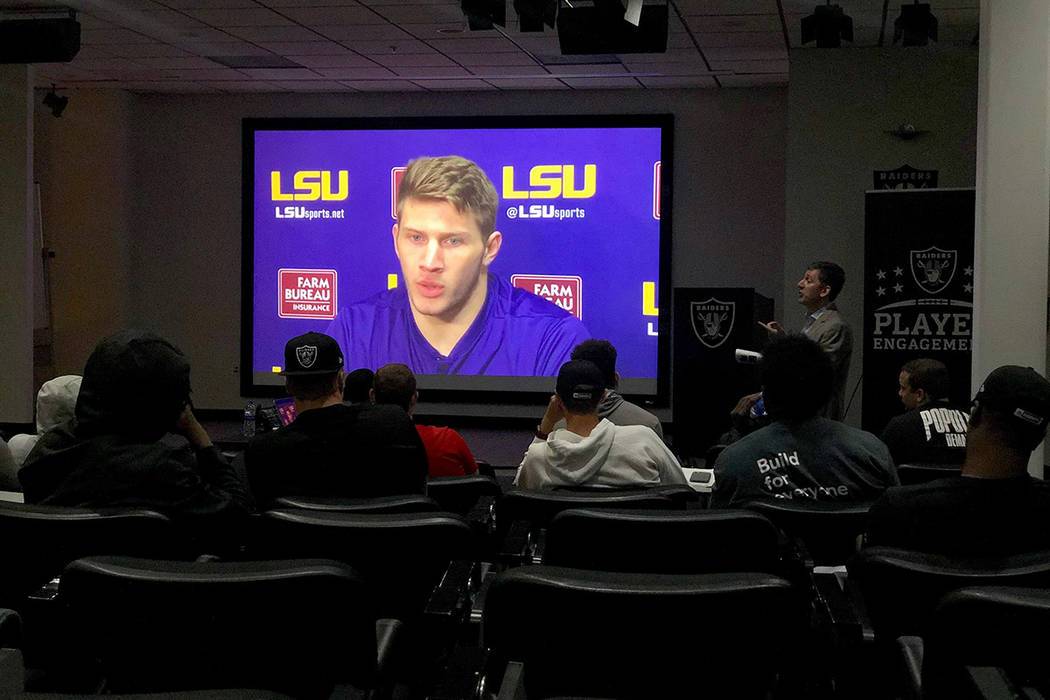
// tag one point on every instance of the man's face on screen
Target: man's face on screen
(444, 259)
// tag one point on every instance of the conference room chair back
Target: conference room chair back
(410, 503)
(39, 541)
(459, 494)
(827, 531)
(300, 627)
(627, 635)
(402, 556)
(658, 541)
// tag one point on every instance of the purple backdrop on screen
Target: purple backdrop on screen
(614, 247)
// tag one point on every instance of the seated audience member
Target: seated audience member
(592, 451)
(357, 387)
(332, 449)
(136, 388)
(800, 455)
(616, 408)
(929, 431)
(447, 451)
(994, 508)
(8, 469)
(55, 403)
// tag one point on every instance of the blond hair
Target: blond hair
(456, 180)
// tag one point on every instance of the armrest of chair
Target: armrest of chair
(992, 683)
(388, 636)
(513, 685)
(516, 548)
(10, 629)
(842, 608)
(12, 673)
(451, 597)
(910, 651)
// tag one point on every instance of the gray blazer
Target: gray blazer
(834, 335)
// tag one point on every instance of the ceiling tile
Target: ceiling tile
(165, 86)
(735, 23)
(470, 44)
(312, 86)
(744, 53)
(412, 13)
(590, 69)
(328, 16)
(602, 82)
(280, 74)
(224, 48)
(389, 48)
(349, 60)
(527, 84)
(493, 59)
(261, 34)
(177, 62)
(726, 7)
(243, 86)
(306, 48)
(112, 36)
(364, 32)
(413, 59)
(241, 17)
(413, 72)
(751, 66)
(743, 39)
(383, 85)
(153, 50)
(679, 81)
(202, 75)
(456, 85)
(362, 73)
(753, 80)
(487, 72)
(207, 4)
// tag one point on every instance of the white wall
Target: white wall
(840, 104)
(183, 199)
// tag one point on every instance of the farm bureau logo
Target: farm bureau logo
(306, 293)
(562, 290)
(712, 320)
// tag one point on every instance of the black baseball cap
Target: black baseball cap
(580, 380)
(310, 354)
(1019, 392)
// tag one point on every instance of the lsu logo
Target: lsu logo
(552, 182)
(310, 186)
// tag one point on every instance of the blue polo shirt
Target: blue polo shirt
(516, 334)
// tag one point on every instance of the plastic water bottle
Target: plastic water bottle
(249, 420)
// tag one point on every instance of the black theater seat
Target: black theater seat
(302, 627)
(827, 531)
(410, 503)
(615, 635)
(459, 494)
(658, 541)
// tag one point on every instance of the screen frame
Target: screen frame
(663, 121)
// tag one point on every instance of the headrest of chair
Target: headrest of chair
(635, 584)
(813, 509)
(596, 496)
(383, 504)
(367, 521)
(188, 572)
(922, 563)
(484, 483)
(56, 514)
(644, 515)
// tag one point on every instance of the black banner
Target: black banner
(918, 291)
(710, 323)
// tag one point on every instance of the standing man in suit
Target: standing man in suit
(817, 290)
(823, 323)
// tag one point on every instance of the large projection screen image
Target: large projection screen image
(581, 249)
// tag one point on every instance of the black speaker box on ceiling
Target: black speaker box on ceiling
(47, 40)
(599, 27)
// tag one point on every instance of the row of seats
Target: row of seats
(617, 586)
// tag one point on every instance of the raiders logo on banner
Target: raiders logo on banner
(307, 355)
(712, 320)
(918, 292)
(904, 178)
(933, 268)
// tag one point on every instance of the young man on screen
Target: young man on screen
(452, 316)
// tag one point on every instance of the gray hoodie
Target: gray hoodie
(55, 404)
(612, 455)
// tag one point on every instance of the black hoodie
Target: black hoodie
(135, 386)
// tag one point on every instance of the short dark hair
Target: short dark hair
(796, 377)
(311, 387)
(929, 375)
(602, 354)
(394, 383)
(357, 385)
(830, 274)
